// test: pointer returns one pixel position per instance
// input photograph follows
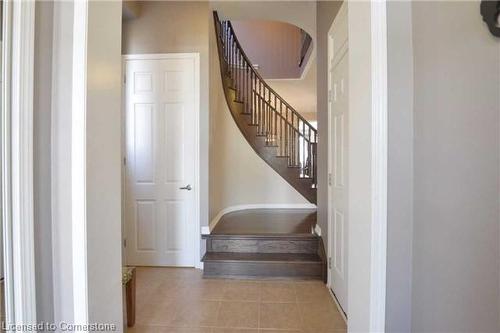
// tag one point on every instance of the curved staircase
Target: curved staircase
(268, 243)
(274, 129)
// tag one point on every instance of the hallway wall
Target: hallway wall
(42, 152)
(274, 46)
(172, 27)
(400, 167)
(456, 171)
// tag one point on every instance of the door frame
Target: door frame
(196, 238)
(17, 164)
(344, 51)
(376, 260)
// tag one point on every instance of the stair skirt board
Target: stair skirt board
(236, 208)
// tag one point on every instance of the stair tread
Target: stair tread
(276, 236)
(263, 257)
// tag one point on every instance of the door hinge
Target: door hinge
(125, 79)
(125, 243)
(330, 179)
(329, 262)
(124, 161)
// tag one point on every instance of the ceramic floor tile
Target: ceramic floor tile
(142, 329)
(195, 314)
(155, 313)
(277, 292)
(311, 291)
(172, 300)
(185, 330)
(279, 316)
(321, 316)
(242, 291)
(206, 290)
(238, 315)
(233, 330)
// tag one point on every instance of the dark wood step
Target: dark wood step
(307, 244)
(262, 265)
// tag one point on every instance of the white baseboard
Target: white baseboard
(337, 304)
(205, 230)
(317, 230)
(230, 209)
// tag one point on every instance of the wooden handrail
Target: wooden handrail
(247, 60)
(281, 116)
(276, 120)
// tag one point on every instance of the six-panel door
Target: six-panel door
(338, 72)
(160, 155)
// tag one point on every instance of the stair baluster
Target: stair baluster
(280, 125)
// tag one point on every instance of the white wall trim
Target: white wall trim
(378, 222)
(341, 311)
(198, 167)
(17, 161)
(205, 230)
(235, 208)
(379, 166)
(79, 162)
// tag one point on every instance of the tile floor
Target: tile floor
(180, 300)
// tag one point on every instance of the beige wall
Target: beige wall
(42, 161)
(103, 163)
(299, 13)
(326, 11)
(273, 46)
(299, 93)
(400, 166)
(237, 174)
(456, 170)
(130, 9)
(172, 27)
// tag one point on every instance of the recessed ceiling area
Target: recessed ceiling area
(278, 50)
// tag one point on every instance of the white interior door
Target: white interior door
(338, 219)
(160, 160)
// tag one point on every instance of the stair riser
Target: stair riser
(262, 246)
(290, 270)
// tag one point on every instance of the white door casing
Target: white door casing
(338, 159)
(161, 101)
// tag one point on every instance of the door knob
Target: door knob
(188, 187)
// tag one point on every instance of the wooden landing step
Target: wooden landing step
(265, 243)
(262, 265)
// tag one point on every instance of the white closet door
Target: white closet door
(160, 97)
